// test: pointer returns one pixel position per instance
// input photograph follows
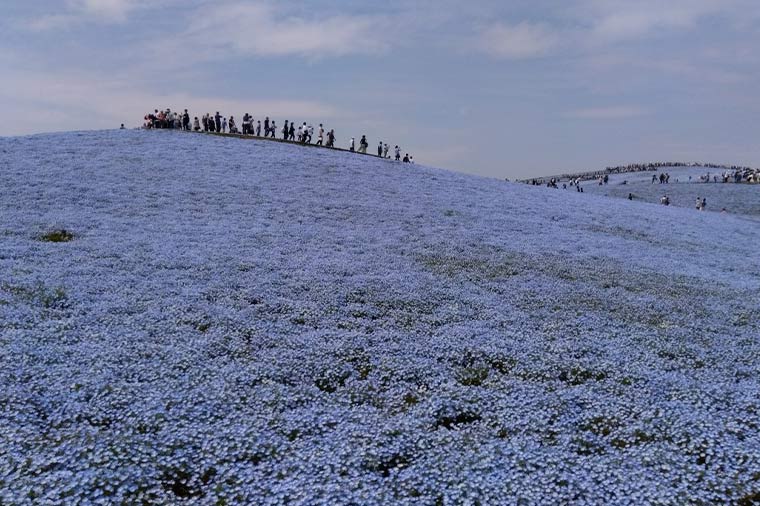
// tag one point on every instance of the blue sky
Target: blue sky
(497, 88)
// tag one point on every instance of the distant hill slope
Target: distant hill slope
(257, 323)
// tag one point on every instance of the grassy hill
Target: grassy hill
(228, 322)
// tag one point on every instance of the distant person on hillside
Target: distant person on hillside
(258, 129)
(654, 178)
(380, 149)
(224, 125)
(273, 129)
(266, 126)
(630, 196)
(218, 121)
(285, 131)
(351, 145)
(406, 158)
(211, 124)
(233, 126)
(665, 200)
(246, 124)
(196, 125)
(397, 153)
(331, 139)
(320, 135)
(411, 159)
(363, 144)
(306, 135)
(292, 132)
(385, 150)
(122, 127)
(699, 204)
(186, 120)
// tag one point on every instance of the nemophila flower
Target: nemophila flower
(254, 323)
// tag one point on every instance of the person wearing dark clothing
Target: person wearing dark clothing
(292, 132)
(218, 121)
(258, 129)
(185, 121)
(331, 139)
(380, 149)
(246, 124)
(363, 144)
(272, 129)
(285, 131)
(266, 126)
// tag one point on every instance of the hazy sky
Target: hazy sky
(500, 88)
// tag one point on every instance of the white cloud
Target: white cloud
(622, 19)
(82, 11)
(260, 29)
(84, 102)
(520, 41)
(107, 9)
(609, 113)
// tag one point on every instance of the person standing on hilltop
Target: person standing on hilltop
(380, 149)
(285, 131)
(218, 121)
(351, 145)
(224, 125)
(266, 126)
(363, 145)
(246, 123)
(385, 150)
(398, 153)
(185, 121)
(258, 129)
(331, 139)
(196, 125)
(292, 131)
(273, 129)
(320, 135)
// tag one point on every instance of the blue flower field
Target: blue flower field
(190, 319)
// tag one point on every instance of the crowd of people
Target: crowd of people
(663, 178)
(304, 134)
(730, 173)
(701, 204)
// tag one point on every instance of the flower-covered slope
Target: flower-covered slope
(230, 322)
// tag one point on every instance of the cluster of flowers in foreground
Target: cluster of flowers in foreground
(247, 323)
